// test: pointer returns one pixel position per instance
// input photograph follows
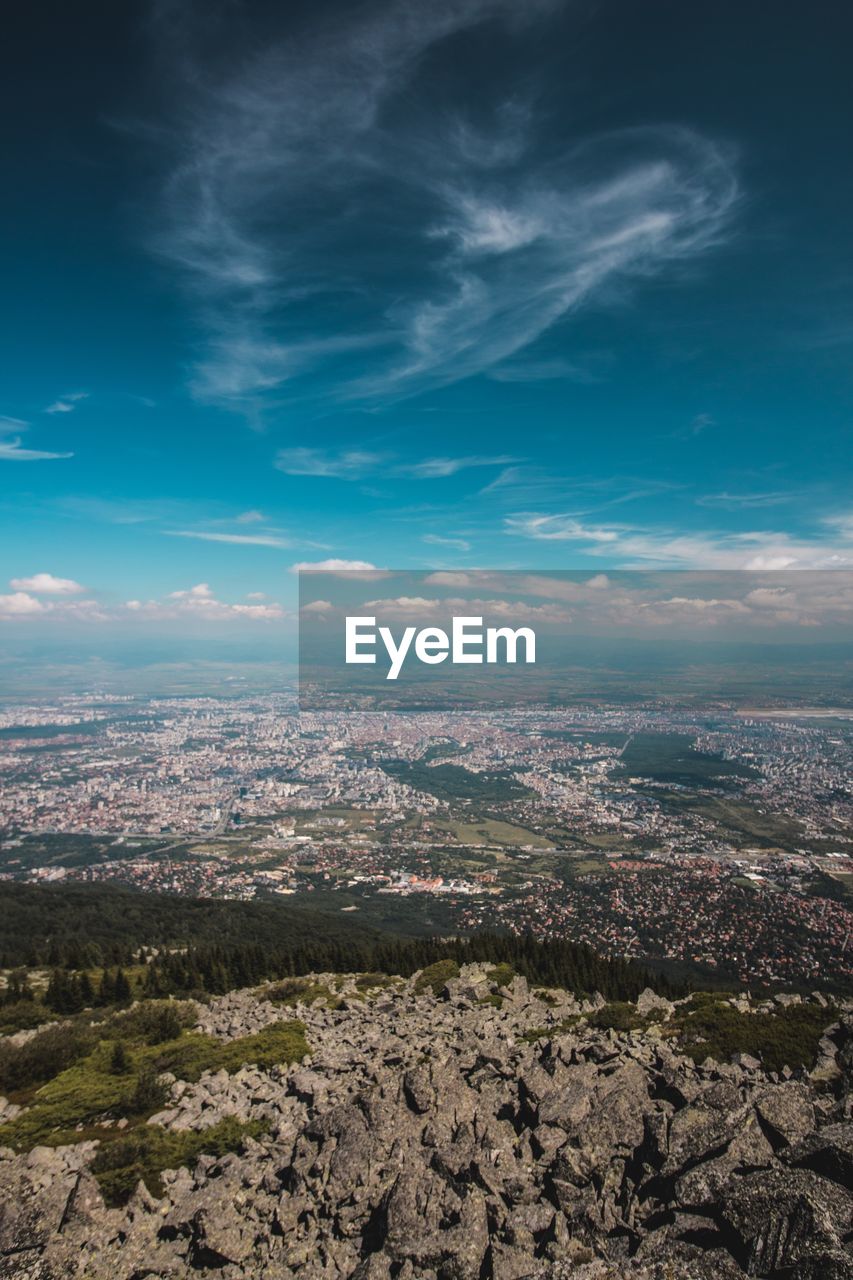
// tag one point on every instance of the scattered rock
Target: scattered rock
(438, 1138)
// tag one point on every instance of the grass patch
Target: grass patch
(193, 1054)
(558, 1029)
(502, 975)
(434, 977)
(488, 831)
(620, 1015)
(110, 1084)
(292, 991)
(373, 982)
(707, 1026)
(23, 1015)
(496, 1001)
(144, 1153)
(787, 1037)
(80, 1095)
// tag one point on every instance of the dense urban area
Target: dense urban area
(707, 836)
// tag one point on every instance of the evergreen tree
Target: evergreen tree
(119, 1064)
(121, 988)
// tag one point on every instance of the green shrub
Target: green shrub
(154, 1021)
(494, 999)
(502, 975)
(149, 1095)
(23, 1015)
(280, 1042)
(44, 1056)
(80, 1095)
(144, 1152)
(786, 1037)
(89, 1091)
(372, 981)
(299, 991)
(119, 1062)
(194, 1053)
(617, 1016)
(559, 1029)
(434, 976)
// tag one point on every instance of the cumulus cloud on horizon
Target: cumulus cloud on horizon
(47, 584)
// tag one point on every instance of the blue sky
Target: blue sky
(430, 286)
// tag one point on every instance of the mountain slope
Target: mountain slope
(455, 1130)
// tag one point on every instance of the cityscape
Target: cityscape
(714, 838)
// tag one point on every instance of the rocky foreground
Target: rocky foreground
(426, 1137)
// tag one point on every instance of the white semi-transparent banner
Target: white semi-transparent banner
(394, 639)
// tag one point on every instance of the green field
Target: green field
(353, 818)
(486, 831)
(742, 821)
(452, 782)
(670, 757)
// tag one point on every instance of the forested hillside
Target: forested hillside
(197, 945)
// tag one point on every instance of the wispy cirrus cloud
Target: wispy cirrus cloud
(439, 540)
(439, 468)
(12, 448)
(632, 546)
(697, 426)
(358, 464)
(68, 403)
(536, 484)
(237, 539)
(351, 464)
(735, 501)
(286, 157)
(544, 371)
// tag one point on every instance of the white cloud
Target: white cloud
(11, 448)
(250, 517)
(357, 464)
(617, 208)
(67, 404)
(47, 584)
(737, 501)
(201, 591)
(24, 605)
(281, 154)
(336, 566)
(240, 539)
(455, 544)
(542, 371)
(697, 426)
(350, 465)
(199, 601)
(560, 528)
(20, 605)
(632, 546)
(419, 607)
(842, 524)
(438, 468)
